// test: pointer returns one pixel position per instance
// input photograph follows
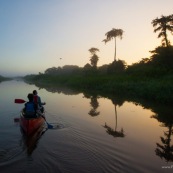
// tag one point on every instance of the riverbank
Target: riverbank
(4, 78)
(158, 89)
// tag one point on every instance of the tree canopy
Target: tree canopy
(162, 25)
(112, 34)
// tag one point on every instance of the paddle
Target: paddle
(20, 101)
(48, 125)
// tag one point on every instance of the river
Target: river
(95, 134)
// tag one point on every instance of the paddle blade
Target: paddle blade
(19, 101)
(49, 126)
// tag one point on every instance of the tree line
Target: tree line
(160, 62)
(4, 78)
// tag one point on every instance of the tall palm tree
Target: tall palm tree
(163, 24)
(112, 34)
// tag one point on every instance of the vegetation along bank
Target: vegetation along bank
(150, 78)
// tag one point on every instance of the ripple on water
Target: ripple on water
(75, 150)
(57, 126)
(10, 155)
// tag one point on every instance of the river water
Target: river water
(94, 134)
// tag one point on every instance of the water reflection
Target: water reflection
(56, 89)
(164, 149)
(162, 113)
(111, 131)
(114, 132)
(93, 103)
(30, 142)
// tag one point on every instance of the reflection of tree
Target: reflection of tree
(56, 88)
(165, 149)
(111, 131)
(94, 104)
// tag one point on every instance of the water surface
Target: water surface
(97, 134)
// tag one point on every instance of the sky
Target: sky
(39, 34)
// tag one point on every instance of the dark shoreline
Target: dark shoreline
(153, 89)
(4, 78)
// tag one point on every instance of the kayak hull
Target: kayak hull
(31, 125)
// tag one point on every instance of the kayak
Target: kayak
(30, 141)
(31, 125)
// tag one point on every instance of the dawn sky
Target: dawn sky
(35, 34)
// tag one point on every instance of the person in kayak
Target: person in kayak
(37, 101)
(30, 108)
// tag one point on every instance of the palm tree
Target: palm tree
(163, 24)
(113, 34)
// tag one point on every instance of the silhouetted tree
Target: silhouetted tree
(116, 67)
(94, 58)
(163, 24)
(162, 57)
(52, 70)
(112, 34)
(103, 69)
(66, 69)
(87, 69)
(93, 50)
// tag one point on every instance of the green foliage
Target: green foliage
(159, 64)
(162, 57)
(151, 78)
(102, 69)
(157, 89)
(88, 70)
(67, 69)
(116, 67)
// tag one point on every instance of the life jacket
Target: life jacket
(30, 107)
(36, 99)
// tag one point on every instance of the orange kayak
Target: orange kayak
(30, 125)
